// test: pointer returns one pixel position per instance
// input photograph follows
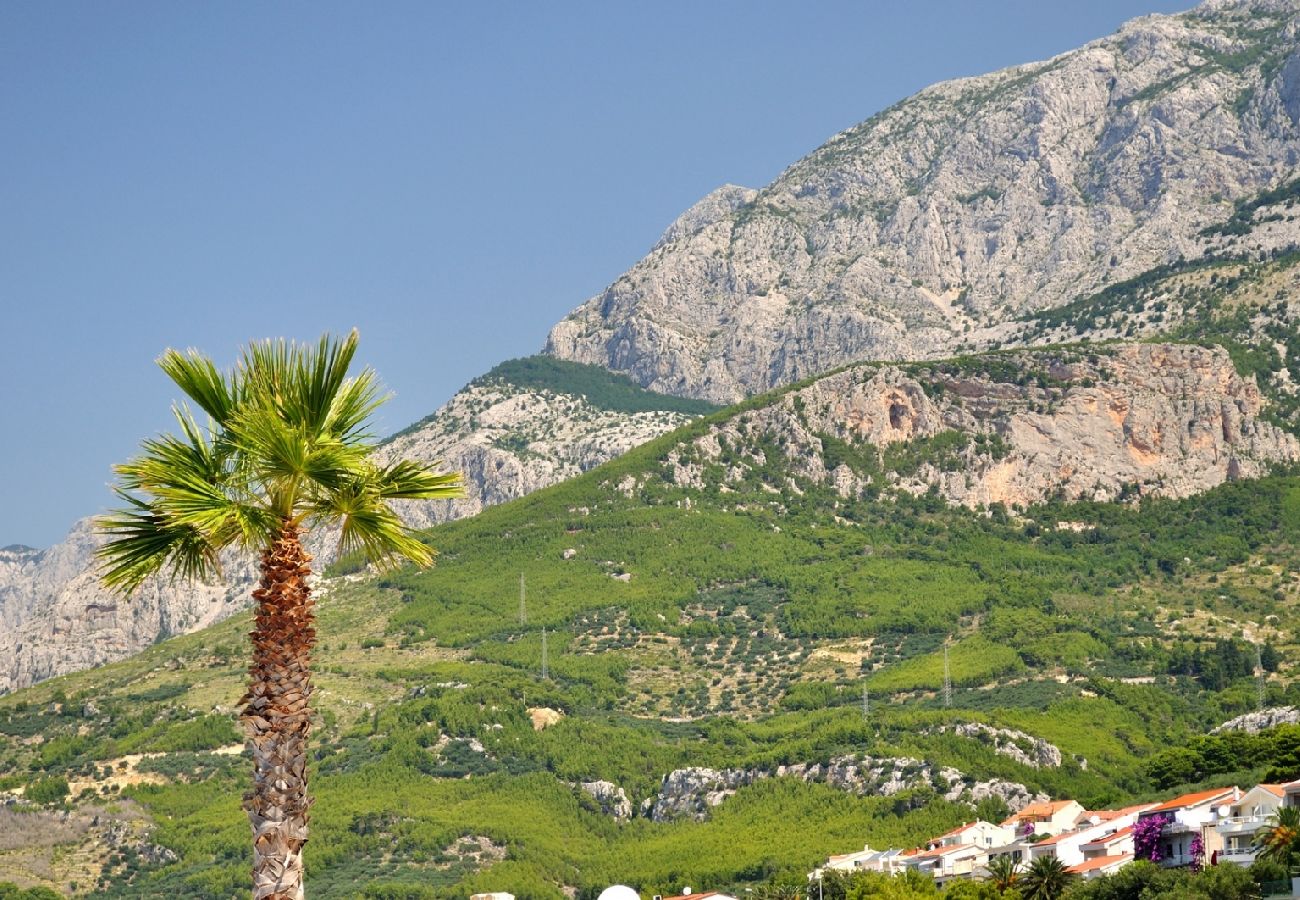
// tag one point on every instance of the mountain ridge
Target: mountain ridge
(934, 222)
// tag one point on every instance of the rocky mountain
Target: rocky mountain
(506, 438)
(935, 224)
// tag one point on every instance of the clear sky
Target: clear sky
(449, 178)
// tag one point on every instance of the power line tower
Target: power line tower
(523, 606)
(947, 675)
(546, 669)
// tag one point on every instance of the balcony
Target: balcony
(1242, 856)
(1241, 824)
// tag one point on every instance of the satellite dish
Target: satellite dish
(1224, 811)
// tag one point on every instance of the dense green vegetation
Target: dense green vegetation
(602, 388)
(1276, 751)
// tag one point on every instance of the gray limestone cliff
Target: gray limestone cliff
(936, 223)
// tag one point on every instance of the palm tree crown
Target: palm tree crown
(285, 442)
(1280, 839)
(1045, 879)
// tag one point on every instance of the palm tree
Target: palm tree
(1002, 871)
(284, 449)
(1045, 879)
(1280, 839)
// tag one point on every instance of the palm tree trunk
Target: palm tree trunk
(277, 718)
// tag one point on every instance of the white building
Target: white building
(1050, 817)
(1189, 816)
(1246, 817)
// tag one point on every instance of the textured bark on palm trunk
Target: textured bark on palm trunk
(277, 718)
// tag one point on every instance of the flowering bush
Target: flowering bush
(1198, 853)
(1146, 836)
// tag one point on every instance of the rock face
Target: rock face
(1258, 721)
(1017, 745)
(611, 798)
(936, 222)
(506, 441)
(692, 792)
(1017, 427)
(509, 441)
(59, 619)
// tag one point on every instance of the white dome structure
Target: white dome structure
(619, 892)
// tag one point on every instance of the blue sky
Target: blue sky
(449, 178)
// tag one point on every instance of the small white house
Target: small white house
(1245, 818)
(1099, 866)
(1050, 817)
(979, 833)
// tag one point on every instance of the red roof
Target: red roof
(944, 851)
(1099, 862)
(1034, 810)
(1197, 799)
(1277, 790)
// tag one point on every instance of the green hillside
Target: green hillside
(722, 625)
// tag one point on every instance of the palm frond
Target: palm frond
(370, 525)
(142, 542)
(199, 378)
(353, 404)
(409, 480)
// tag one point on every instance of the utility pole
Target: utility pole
(523, 608)
(1260, 679)
(546, 671)
(947, 675)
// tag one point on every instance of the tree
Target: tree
(1002, 871)
(1045, 879)
(284, 450)
(1280, 839)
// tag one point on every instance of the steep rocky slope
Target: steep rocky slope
(509, 441)
(1094, 423)
(937, 221)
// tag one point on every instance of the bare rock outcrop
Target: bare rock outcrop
(1017, 427)
(693, 792)
(611, 799)
(1252, 722)
(1017, 745)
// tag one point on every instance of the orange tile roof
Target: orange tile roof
(1049, 809)
(1098, 862)
(1195, 799)
(699, 896)
(1277, 790)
